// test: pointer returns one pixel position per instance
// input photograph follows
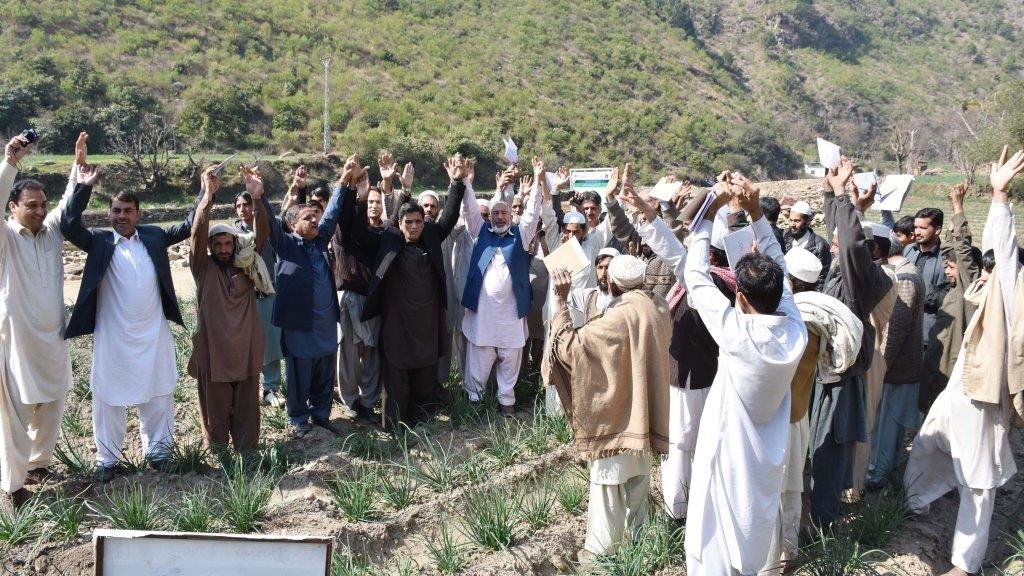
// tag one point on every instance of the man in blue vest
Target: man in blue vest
(497, 296)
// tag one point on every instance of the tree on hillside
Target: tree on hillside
(145, 152)
(901, 141)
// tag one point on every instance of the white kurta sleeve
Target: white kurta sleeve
(664, 243)
(471, 211)
(714, 308)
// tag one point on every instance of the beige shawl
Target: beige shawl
(612, 376)
(994, 358)
(249, 260)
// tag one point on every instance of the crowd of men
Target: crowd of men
(837, 346)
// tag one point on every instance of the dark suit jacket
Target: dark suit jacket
(99, 245)
(378, 250)
(293, 273)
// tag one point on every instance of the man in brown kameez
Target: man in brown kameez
(227, 348)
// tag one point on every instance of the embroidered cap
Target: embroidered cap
(627, 272)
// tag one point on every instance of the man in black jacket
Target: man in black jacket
(800, 234)
(125, 301)
(839, 415)
(408, 292)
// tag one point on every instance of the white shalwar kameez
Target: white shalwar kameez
(964, 444)
(133, 360)
(494, 332)
(36, 371)
(734, 511)
(685, 404)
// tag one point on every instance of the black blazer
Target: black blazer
(99, 245)
(378, 250)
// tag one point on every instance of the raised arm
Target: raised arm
(457, 169)
(967, 269)
(199, 239)
(655, 232)
(254, 186)
(714, 308)
(332, 213)
(1001, 225)
(182, 230)
(471, 210)
(530, 220)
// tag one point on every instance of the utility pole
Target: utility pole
(327, 104)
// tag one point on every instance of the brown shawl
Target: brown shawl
(612, 376)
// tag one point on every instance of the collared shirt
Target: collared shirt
(929, 264)
(32, 317)
(132, 336)
(323, 338)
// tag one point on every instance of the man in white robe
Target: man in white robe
(497, 294)
(36, 372)
(964, 442)
(733, 512)
(585, 303)
(126, 300)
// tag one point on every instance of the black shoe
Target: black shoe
(367, 415)
(162, 465)
(327, 425)
(103, 474)
(39, 476)
(508, 411)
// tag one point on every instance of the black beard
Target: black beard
(222, 264)
(798, 234)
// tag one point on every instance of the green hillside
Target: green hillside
(688, 86)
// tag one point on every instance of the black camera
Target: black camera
(30, 136)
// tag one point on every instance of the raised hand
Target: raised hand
(525, 184)
(455, 167)
(351, 171)
(749, 194)
(627, 177)
(840, 175)
(612, 188)
(956, 197)
(561, 178)
(87, 174)
(629, 196)
(469, 169)
(251, 177)
(1004, 170)
(562, 282)
(865, 199)
(388, 166)
(538, 167)
(209, 182)
(300, 177)
(16, 149)
(363, 185)
(82, 149)
(683, 196)
(406, 178)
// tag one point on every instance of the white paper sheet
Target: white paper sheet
(738, 244)
(828, 153)
(569, 255)
(864, 180)
(511, 150)
(892, 191)
(666, 191)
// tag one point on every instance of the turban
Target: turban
(801, 207)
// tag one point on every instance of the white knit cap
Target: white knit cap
(801, 207)
(574, 217)
(419, 199)
(482, 202)
(627, 272)
(605, 252)
(222, 228)
(803, 265)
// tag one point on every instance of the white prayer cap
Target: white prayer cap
(606, 252)
(574, 217)
(222, 228)
(426, 193)
(801, 207)
(483, 203)
(627, 272)
(803, 265)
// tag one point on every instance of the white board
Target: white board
(131, 553)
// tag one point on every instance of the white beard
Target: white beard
(501, 230)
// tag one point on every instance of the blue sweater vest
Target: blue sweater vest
(516, 258)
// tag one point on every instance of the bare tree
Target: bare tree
(901, 141)
(145, 152)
